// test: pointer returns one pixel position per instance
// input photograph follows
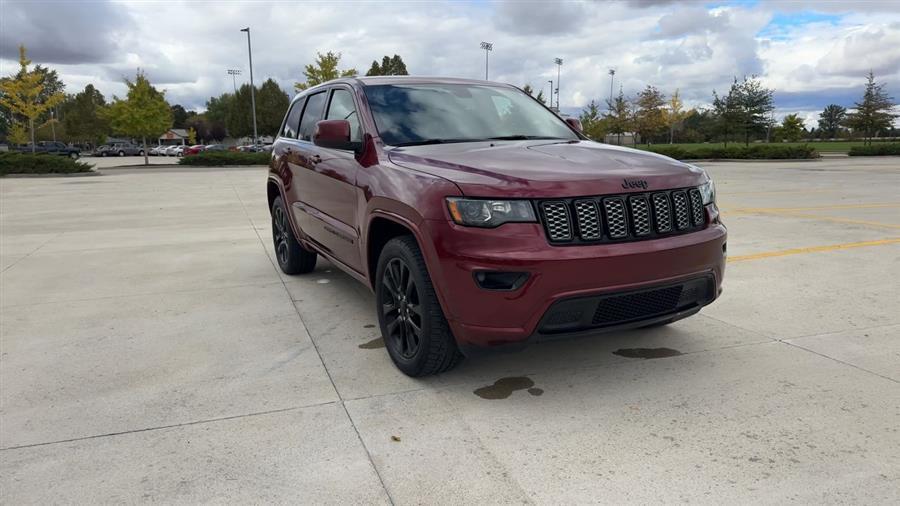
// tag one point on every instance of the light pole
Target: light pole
(53, 124)
(488, 47)
(252, 94)
(551, 93)
(232, 73)
(558, 62)
(612, 78)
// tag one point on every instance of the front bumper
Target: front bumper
(484, 318)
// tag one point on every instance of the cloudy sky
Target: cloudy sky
(812, 52)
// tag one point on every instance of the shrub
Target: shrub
(752, 152)
(27, 163)
(220, 158)
(876, 150)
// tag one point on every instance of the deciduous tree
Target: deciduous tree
(791, 128)
(674, 114)
(27, 93)
(271, 104)
(831, 119)
(143, 113)
(650, 117)
(82, 118)
(324, 69)
(619, 118)
(592, 123)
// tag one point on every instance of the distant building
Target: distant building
(174, 136)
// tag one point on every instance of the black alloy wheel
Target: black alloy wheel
(401, 309)
(291, 256)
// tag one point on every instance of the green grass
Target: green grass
(821, 147)
(27, 163)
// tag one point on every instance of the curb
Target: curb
(751, 160)
(52, 174)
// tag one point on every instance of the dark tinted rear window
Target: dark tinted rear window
(312, 113)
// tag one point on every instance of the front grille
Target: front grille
(622, 217)
(624, 308)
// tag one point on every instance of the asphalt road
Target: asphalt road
(151, 351)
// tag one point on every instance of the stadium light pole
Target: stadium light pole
(252, 94)
(488, 47)
(232, 73)
(551, 93)
(558, 62)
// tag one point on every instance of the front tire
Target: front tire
(416, 334)
(292, 257)
(121, 153)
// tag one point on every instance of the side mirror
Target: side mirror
(334, 134)
(574, 123)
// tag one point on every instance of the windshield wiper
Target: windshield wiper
(425, 142)
(522, 138)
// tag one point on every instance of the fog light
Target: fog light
(500, 280)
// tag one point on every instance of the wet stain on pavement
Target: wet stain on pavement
(504, 387)
(647, 352)
(374, 344)
(369, 326)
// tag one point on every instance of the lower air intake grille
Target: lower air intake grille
(624, 308)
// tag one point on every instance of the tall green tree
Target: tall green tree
(323, 70)
(540, 96)
(390, 66)
(792, 128)
(650, 117)
(674, 114)
(271, 104)
(745, 110)
(619, 116)
(874, 113)
(831, 119)
(143, 113)
(592, 123)
(239, 120)
(82, 118)
(25, 94)
(179, 116)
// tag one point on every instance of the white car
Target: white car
(157, 151)
(170, 151)
(179, 150)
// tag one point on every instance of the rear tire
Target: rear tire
(292, 257)
(416, 334)
(121, 153)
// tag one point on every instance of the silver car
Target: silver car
(170, 151)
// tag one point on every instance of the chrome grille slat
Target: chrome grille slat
(587, 216)
(696, 206)
(640, 215)
(631, 216)
(682, 218)
(616, 222)
(556, 215)
(662, 210)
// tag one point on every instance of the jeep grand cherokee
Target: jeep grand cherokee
(482, 219)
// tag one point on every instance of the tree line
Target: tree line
(743, 114)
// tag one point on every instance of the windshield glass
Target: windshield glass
(435, 113)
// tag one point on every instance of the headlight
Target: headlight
(489, 213)
(708, 192)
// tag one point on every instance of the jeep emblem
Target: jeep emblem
(634, 183)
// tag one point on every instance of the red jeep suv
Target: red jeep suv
(482, 219)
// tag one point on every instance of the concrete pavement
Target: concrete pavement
(150, 351)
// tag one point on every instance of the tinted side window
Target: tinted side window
(312, 113)
(292, 123)
(342, 107)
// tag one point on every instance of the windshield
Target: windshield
(436, 113)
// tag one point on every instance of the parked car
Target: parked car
(193, 150)
(157, 150)
(216, 147)
(170, 151)
(120, 149)
(50, 148)
(179, 150)
(481, 219)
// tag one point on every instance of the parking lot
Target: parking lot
(152, 351)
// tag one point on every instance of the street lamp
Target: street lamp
(232, 73)
(488, 47)
(558, 62)
(252, 93)
(551, 93)
(612, 79)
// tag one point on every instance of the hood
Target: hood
(547, 169)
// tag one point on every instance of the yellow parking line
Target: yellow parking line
(813, 249)
(843, 220)
(774, 192)
(818, 208)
